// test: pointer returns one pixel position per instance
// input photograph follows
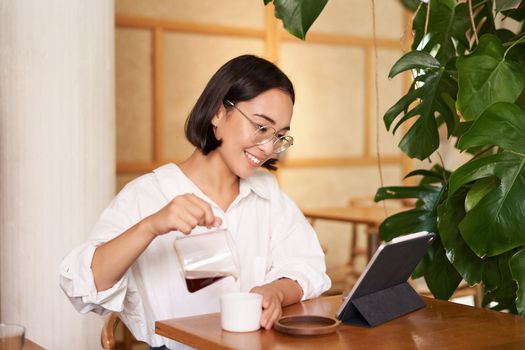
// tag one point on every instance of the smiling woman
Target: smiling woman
(129, 266)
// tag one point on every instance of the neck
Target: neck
(212, 176)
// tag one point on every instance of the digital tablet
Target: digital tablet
(392, 264)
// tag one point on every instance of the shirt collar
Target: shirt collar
(254, 183)
(166, 173)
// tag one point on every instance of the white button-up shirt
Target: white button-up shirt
(272, 240)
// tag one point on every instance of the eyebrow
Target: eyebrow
(270, 120)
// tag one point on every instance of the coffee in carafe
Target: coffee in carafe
(194, 283)
(206, 258)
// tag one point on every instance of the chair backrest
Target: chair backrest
(107, 337)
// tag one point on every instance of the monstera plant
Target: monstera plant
(469, 78)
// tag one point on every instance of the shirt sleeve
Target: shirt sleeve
(76, 276)
(295, 249)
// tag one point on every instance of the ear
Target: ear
(219, 115)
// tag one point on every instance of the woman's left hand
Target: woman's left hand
(272, 301)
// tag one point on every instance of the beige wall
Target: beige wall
(333, 72)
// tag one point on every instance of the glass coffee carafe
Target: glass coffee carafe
(205, 258)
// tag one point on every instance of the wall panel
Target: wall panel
(390, 90)
(244, 13)
(134, 97)
(329, 110)
(354, 17)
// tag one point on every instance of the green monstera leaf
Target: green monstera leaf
(420, 218)
(517, 269)
(427, 98)
(501, 124)
(516, 13)
(504, 289)
(414, 60)
(447, 25)
(479, 190)
(494, 272)
(496, 224)
(466, 262)
(440, 275)
(297, 15)
(502, 5)
(411, 5)
(472, 268)
(486, 77)
(437, 174)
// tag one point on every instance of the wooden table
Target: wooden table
(29, 345)
(440, 325)
(370, 215)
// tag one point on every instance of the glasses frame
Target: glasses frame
(274, 137)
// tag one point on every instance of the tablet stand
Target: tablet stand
(382, 306)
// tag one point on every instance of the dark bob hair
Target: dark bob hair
(240, 79)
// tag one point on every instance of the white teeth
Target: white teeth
(252, 158)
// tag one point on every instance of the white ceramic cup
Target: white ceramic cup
(241, 312)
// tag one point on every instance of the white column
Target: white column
(57, 156)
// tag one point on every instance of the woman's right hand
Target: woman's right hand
(182, 214)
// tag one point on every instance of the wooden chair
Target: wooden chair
(344, 276)
(108, 339)
(371, 232)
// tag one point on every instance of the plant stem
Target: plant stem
(378, 154)
(516, 153)
(479, 4)
(520, 40)
(472, 23)
(427, 19)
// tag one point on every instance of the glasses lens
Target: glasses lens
(263, 135)
(282, 144)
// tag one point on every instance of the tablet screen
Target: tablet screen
(392, 264)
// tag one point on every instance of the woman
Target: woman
(128, 265)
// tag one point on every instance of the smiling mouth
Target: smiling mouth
(254, 160)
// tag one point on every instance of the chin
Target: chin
(245, 173)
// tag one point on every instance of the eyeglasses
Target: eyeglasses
(264, 133)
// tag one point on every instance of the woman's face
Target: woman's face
(238, 150)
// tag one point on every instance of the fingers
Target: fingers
(217, 221)
(192, 211)
(271, 312)
(202, 211)
(271, 304)
(183, 213)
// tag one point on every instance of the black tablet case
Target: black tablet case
(384, 293)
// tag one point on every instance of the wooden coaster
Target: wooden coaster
(307, 325)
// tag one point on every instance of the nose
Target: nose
(267, 147)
